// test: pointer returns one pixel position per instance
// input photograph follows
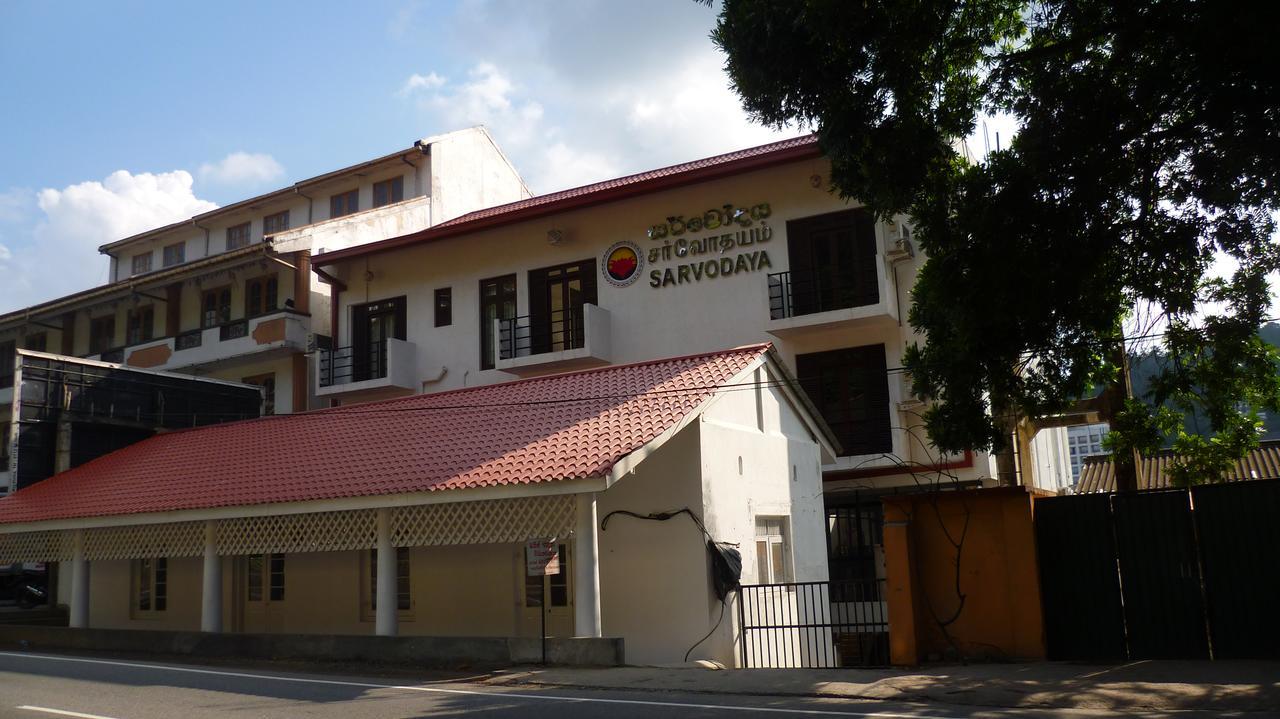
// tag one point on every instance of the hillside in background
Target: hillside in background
(1144, 367)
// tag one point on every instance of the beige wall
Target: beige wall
(655, 590)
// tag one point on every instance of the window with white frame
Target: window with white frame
(773, 551)
(369, 593)
(150, 586)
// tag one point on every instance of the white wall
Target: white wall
(647, 322)
(1051, 459)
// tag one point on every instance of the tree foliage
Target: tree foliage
(1148, 150)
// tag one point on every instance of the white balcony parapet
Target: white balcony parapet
(384, 369)
(813, 302)
(358, 228)
(533, 345)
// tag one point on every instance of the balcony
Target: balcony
(254, 339)
(358, 228)
(382, 369)
(830, 298)
(566, 339)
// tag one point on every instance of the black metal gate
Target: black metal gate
(1164, 574)
(813, 624)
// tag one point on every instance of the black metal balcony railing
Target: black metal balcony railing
(533, 335)
(188, 340)
(343, 365)
(796, 294)
(233, 330)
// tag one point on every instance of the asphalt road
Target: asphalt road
(47, 686)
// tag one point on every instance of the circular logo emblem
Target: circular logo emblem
(622, 263)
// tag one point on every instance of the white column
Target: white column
(386, 617)
(211, 596)
(586, 569)
(79, 583)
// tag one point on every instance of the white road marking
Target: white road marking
(462, 692)
(62, 712)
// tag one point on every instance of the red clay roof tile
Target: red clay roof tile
(650, 181)
(566, 426)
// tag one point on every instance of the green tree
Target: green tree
(1148, 147)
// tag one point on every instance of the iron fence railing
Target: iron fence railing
(556, 331)
(233, 330)
(343, 365)
(814, 624)
(188, 340)
(792, 294)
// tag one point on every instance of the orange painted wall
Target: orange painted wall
(1000, 617)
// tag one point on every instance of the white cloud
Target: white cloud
(417, 82)
(60, 254)
(571, 104)
(242, 168)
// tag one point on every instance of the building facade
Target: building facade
(229, 294)
(742, 248)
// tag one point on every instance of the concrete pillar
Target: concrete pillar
(586, 569)
(79, 583)
(62, 444)
(386, 613)
(211, 595)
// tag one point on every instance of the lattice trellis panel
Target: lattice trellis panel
(486, 522)
(177, 539)
(49, 546)
(316, 532)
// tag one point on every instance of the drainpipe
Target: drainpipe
(311, 203)
(206, 236)
(405, 160)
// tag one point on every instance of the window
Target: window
(773, 555)
(372, 325)
(175, 254)
(344, 203)
(237, 236)
(271, 224)
(102, 334)
(36, 342)
(4, 446)
(388, 191)
(851, 390)
(268, 384)
(142, 263)
(260, 296)
(832, 264)
(556, 299)
(141, 325)
(497, 302)
(555, 585)
(8, 355)
(215, 307)
(264, 577)
(404, 599)
(150, 585)
(444, 306)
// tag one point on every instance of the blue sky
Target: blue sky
(117, 117)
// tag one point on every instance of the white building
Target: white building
(229, 294)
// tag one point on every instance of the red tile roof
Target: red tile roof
(567, 426)
(687, 173)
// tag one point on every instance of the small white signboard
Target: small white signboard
(542, 557)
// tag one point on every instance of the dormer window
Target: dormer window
(271, 224)
(238, 236)
(344, 203)
(175, 254)
(388, 191)
(141, 263)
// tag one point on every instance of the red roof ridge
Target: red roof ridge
(597, 192)
(741, 349)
